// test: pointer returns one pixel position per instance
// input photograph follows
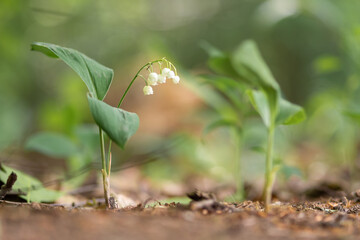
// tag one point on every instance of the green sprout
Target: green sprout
(247, 66)
(118, 124)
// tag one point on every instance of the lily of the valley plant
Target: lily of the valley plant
(246, 66)
(118, 124)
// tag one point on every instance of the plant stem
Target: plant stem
(239, 195)
(268, 168)
(109, 157)
(106, 182)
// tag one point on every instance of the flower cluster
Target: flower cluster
(155, 78)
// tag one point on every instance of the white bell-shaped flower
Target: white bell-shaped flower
(171, 75)
(176, 79)
(148, 90)
(153, 78)
(165, 72)
(162, 79)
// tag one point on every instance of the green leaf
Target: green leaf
(42, 195)
(260, 102)
(251, 67)
(264, 91)
(222, 66)
(249, 64)
(25, 183)
(231, 89)
(119, 125)
(96, 76)
(51, 144)
(290, 113)
(218, 61)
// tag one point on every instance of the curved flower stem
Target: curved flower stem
(135, 77)
(173, 66)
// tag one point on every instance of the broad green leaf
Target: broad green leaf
(274, 98)
(119, 125)
(231, 89)
(250, 65)
(222, 66)
(25, 184)
(252, 69)
(51, 144)
(42, 195)
(218, 61)
(260, 102)
(290, 113)
(96, 76)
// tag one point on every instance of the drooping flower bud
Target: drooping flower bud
(148, 90)
(153, 78)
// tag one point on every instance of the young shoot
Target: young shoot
(247, 66)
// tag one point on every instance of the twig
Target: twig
(6, 188)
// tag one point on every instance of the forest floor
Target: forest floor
(201, 219)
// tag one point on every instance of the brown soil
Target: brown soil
(206, 219)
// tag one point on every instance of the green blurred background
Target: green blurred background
(312, 47)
